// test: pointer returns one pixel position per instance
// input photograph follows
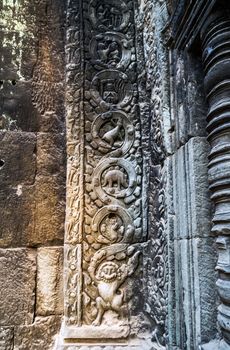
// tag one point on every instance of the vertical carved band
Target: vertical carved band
(104, 217)
(216, 59)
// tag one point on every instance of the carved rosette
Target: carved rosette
(216, 59)
(104, 217)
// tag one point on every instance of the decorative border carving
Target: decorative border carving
(105, 165)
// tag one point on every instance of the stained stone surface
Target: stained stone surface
(50, 210)
(17, 206)
(17, 158)
(49, 293)
(39, 335)
(51, 158)
(6, 338)
(126, 77)
(192, 250)
(32, 171)
(17, 281)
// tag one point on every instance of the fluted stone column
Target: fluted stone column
(216, 59)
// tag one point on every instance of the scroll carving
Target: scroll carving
(104, 216)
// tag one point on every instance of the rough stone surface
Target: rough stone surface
(50, 211)
(17, 158)
(75, 62)
(17, 206)
(6, 338)
(51, 154)
(49, 293)
(17, 286)
(39, 335)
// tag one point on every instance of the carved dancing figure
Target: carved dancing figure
(109, 277)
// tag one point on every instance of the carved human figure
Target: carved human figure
(109, 276)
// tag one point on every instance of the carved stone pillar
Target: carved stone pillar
(216, 59)
(104, 218)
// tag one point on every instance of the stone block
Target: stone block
(195, 290)
(51, 154)
(17, 158)
(6, 338)
(191, 198)
(17, 206)
(17, 284)
(49, 281)
(40, 335)
(50, 211)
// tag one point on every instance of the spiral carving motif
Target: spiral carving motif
(104, 220)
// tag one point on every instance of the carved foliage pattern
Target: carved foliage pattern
(157, 261)
(104, 207)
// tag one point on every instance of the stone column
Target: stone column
(216, 58)
(104, 214)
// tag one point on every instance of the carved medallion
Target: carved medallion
(113, 224)
(111, 87)
(112, 131)
(110, 50)
(109, 14)
(116, 178)
(104, 184)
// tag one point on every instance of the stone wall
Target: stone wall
(45, 44)
(179, 184)
(32, 172)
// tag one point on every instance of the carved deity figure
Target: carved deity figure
(109, 277)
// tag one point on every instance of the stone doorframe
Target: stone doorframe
(106, 228)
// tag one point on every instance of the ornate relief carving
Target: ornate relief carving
(104, 214)
(116, 178)
(113, 88)
(110, 275)
(109, 14)
(114, 224)
(112, 131)
(110, 50)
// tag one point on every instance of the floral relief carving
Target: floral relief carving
(104, 218)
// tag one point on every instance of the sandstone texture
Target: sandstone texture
(49, 291)
(6, 338)
(114, 175)
(40, 335)
(17, 280)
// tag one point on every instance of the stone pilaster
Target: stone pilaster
(105, 224)
(216, 59)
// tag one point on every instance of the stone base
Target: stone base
(130, 345)
(119, 331)
(103, 338)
